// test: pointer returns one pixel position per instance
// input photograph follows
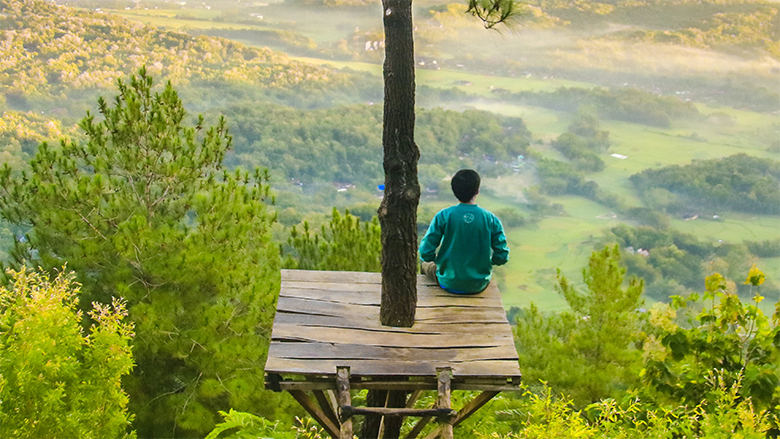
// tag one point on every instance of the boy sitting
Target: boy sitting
(472, 241)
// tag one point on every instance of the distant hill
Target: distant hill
(709, 24)
(47, 50)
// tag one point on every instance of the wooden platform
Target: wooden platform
(329, 319)
(327, 340)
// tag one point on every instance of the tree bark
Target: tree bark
(398, 211)
(393, 424)
(371, 423)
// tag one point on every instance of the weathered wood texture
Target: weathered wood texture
(330, 319)
(398, 210)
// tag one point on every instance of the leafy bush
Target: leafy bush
(56, 379)
(726, 335)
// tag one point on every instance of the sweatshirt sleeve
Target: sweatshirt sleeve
(498, 243)
(432, 239)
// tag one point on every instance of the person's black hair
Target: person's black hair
(465, 184)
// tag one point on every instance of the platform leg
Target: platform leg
(344, 399)
(315, 411)
(326, 406)
(444, 375)
(473, 405)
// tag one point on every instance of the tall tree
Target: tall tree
(397, 213)
(142, 210)
(398, 210)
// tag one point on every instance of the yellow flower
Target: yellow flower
(755, 277)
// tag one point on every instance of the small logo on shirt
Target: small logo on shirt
(468, 218)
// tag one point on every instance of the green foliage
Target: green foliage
(545, 415)
(141, 209)
(726, 335)
(559, 178)
(56, 379)
(582, 141)
(676, 258)
(344, 244)
(343, 144)
(241, 425)
(492, 12)
(589, 352)
(511, 217)
(764, 249)
(740, 183)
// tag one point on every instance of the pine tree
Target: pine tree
(142, 210)
(344, 244)
(588, 353)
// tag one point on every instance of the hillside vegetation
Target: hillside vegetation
(644, 130)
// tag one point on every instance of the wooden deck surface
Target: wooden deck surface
(326, 319)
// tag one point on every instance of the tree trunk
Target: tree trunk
(371, 423)
(398, 211)
(393, 424)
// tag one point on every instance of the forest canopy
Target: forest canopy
(737, 183)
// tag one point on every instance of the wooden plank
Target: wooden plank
(356, 352)
(402, 412)
(360, 322)
(410, 386)
(367, 368)
(315, 412)
(372, 289)
(352, 277)
(424, 290)
(446, 313)
(331, 276)
(288, 332)
(344, 295)
(307, 306)
(354, 297)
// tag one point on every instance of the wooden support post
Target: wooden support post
(325, 405)
(444, 375)
(473, 405)
(396, 412)
(315, 412)
(344, 400)
(413, 398)
(419, 427)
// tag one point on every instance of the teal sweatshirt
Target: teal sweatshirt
(472, 241)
